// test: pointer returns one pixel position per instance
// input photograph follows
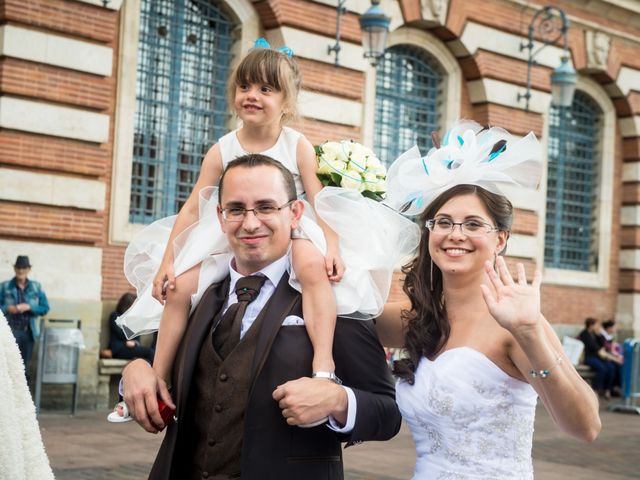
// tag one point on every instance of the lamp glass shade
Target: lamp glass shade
(375, 27)
(374, 42)
(563, 84)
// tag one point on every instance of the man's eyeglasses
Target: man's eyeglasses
(263, 213)
(471, 228)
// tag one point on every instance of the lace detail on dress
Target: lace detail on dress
(469, 419)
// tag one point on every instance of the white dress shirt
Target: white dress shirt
(274, 273)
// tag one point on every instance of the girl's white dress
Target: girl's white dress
(468, 418)
(374, 240)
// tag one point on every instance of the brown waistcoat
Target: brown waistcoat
(220, 391)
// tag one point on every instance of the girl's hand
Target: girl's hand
(165, 278)
(515, 306)
(335, 265)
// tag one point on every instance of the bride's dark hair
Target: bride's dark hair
(428, 328)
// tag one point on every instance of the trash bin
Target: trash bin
(58, 356)
(630, 378)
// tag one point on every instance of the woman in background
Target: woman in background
(596, 356)
(118, 344)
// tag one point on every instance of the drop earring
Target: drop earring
(431, 276)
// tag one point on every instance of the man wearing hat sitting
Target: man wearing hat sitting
(23, 301)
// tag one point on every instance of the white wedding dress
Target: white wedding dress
(469, 419)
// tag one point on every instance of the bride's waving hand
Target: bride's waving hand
(537, 352)
(515, 304)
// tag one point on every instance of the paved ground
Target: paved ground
(87, 447)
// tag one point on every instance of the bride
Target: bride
(479, 350)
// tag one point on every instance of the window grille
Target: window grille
(181, 109)
(571, 235)
(408, 98)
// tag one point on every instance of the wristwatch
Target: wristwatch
(328, 375)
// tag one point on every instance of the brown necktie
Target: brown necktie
(227, 335)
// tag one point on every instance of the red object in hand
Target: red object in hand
(166, 412)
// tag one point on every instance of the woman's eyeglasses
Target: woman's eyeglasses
(471, 228)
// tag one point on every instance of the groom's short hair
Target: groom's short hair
(253, 160)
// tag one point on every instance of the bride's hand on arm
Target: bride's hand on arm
(516, 307)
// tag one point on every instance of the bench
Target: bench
(585, 372)
(109, 373)
(574, 350)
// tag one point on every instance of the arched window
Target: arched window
(408, 95)
(184, 56)
(573, 180)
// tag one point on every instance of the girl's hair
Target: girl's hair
(270, 67)
(428, 328)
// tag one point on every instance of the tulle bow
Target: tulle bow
(490, 158)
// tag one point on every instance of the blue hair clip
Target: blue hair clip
(286, 50)
(262, 43)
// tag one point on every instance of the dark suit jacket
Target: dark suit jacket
(271, 448)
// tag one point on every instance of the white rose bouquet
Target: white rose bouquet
(349, 164)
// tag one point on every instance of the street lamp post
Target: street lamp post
(375, 27)
(563, 79)
(340, 9)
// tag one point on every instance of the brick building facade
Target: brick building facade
(70, 87)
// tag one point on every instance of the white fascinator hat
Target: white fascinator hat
(490, 158)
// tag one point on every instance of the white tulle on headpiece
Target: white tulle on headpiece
(466, 156)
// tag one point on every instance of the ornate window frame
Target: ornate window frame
(451, 79)
(601, 277)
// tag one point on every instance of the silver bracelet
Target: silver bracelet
(328, 375)
(545, 373)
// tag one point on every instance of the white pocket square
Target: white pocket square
(292, 320)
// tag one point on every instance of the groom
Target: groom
(242, 385)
